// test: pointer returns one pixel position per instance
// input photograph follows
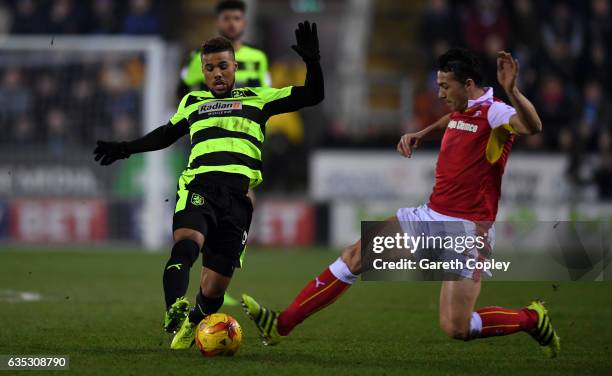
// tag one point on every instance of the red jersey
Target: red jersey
(473, 154)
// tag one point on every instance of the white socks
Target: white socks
(341, 271)
(475, 325)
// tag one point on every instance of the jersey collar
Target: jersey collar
(227, 94)
(486, 97)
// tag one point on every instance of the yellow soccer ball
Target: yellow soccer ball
(218, 334)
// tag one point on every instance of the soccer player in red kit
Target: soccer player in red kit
(478, 137)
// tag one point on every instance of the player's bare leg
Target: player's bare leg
(457, 301)
(459, 320)
(187, 245)
(251, 196)
(208, 300)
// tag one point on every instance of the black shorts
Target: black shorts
(223, 216)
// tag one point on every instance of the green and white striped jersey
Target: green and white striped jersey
(227, 134)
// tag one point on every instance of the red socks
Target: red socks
(317, 294)
(498, 321)
(329, 285)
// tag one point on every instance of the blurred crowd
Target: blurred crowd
(564, 50)
(70, 105)
(72, 102)
(136, 17)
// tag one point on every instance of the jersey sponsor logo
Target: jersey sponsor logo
(219, 107)
(197, 200)
(462, 126)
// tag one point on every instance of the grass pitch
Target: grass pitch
(104, 310)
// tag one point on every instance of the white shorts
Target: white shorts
(424, 221)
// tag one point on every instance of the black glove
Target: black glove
(307, 42)
(109, 152)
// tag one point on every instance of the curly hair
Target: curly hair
(217, 44)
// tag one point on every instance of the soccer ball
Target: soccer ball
(218, 334)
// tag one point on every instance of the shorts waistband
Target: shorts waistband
(235, 183)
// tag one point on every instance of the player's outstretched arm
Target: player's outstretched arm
(308, 48)
(411, 141)
(526, 121)
(313, 91)
(107, 152)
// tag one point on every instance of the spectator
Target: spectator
(563, 39)
(592, 130)
(104, 19)
(24, 132)
(595, 116)
(493, 44)
(554, 104)
(438, 23)
(526, 43)
(595, 64)
(64, 18)
(27, 19)
(15, 99)
(119, 97)
(141, 18)
(605, 139)
(77, 17)
(46, 95)
(57, 130)
(124, 127)
(525, 25)
(485, 20)
(86, 110)
(599, 27)
(5, 19)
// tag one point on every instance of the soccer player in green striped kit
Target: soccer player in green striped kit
(213, 214)
(252, 63)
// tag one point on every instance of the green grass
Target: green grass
(104, 309)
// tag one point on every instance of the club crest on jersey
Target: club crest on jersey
(243, 93)
(197, 200)
(219, 107)
(462, 126)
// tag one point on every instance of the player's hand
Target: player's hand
(507, 70)
(408, 143)
(109, 152)
(307, 41)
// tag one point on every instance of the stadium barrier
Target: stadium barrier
(62, 203)
(386, 175)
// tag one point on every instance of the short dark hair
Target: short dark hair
(217, 44)
(463, 63)
(224, 5)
